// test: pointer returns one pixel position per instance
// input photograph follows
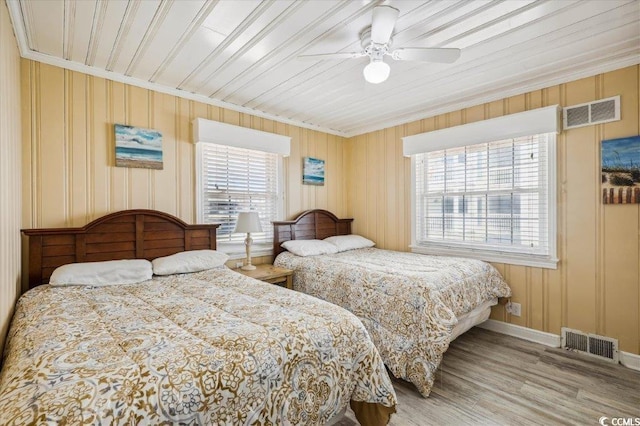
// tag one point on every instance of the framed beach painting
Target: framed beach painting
(138, 147)
(621, 171)
(312, 171)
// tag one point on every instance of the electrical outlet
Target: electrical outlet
(515, 309)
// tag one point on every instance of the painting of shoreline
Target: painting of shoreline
(312, 171)
(621, 171)
(138, 147)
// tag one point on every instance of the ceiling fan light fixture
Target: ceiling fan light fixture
(376, 71)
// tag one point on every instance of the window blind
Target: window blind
(235, 179)
(491, 195)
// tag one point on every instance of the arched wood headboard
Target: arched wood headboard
(128, 234)
(309, 225)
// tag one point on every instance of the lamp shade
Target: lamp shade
(376, 71)
(248, 222)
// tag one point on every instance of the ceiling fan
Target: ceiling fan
(376, 43)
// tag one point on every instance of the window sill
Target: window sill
(490, 256)
(237, 251)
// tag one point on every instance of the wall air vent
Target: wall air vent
(596, 112)
(604, 348)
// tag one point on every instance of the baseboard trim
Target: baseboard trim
(627, 359)
(542, 337)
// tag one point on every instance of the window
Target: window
(492, 200)
(236, 179)
(243, 172)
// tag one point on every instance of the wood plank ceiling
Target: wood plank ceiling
(241, 54)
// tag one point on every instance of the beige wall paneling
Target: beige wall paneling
(163, 111)
(293, 170)
(375, 177)
(341, 199)
(185, 163)
(27, 94)
(390, 202)
(582, 183)
(356, 182)
(354, 188)
(621, 228)
(141, 181)
(76, 128)
(320, 152)
(99, 143)
(119, 176)
(596, 287)
(52, 185)
(10, 172)
(331, 173)
(554, 284)
(306, 190)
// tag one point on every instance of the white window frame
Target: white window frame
(482, 132)
(208, 131)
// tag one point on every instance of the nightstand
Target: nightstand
(271, 274)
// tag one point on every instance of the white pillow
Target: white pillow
(189, 261)
(111, 272)
(309, 247)
(349, 242)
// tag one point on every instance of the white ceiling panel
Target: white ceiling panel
(243, 55)
(141, 17)
(264, 19)
(49, 15)
(81, 14)
(277, 62)
(159, 35)
(105, 30)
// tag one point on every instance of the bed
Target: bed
(412, 305)
(209, 347)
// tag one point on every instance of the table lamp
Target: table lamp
(248, 222)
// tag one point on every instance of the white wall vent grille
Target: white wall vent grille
(601, 347)
(601, 111)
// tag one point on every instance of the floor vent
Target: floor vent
(601, 111)
(602, 347)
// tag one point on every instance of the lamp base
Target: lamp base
(248, 268)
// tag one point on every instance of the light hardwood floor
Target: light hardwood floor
(488, 378)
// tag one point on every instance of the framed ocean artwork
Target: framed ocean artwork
(312, 171)
(138, 147)
(621, 170)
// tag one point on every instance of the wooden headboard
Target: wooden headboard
(128, 234)
(309, 225)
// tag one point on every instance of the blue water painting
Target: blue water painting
(138, 147)
(313, 171)
(622, 153)
(621, 170)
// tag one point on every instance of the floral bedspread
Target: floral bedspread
(213, 347)
(408, 302)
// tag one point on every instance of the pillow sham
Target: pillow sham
(349, 242)
(189, 261)
(309, 247)
(111, 272)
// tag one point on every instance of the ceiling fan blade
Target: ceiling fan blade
(322, 56)
(383, 21)
(426, 54)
